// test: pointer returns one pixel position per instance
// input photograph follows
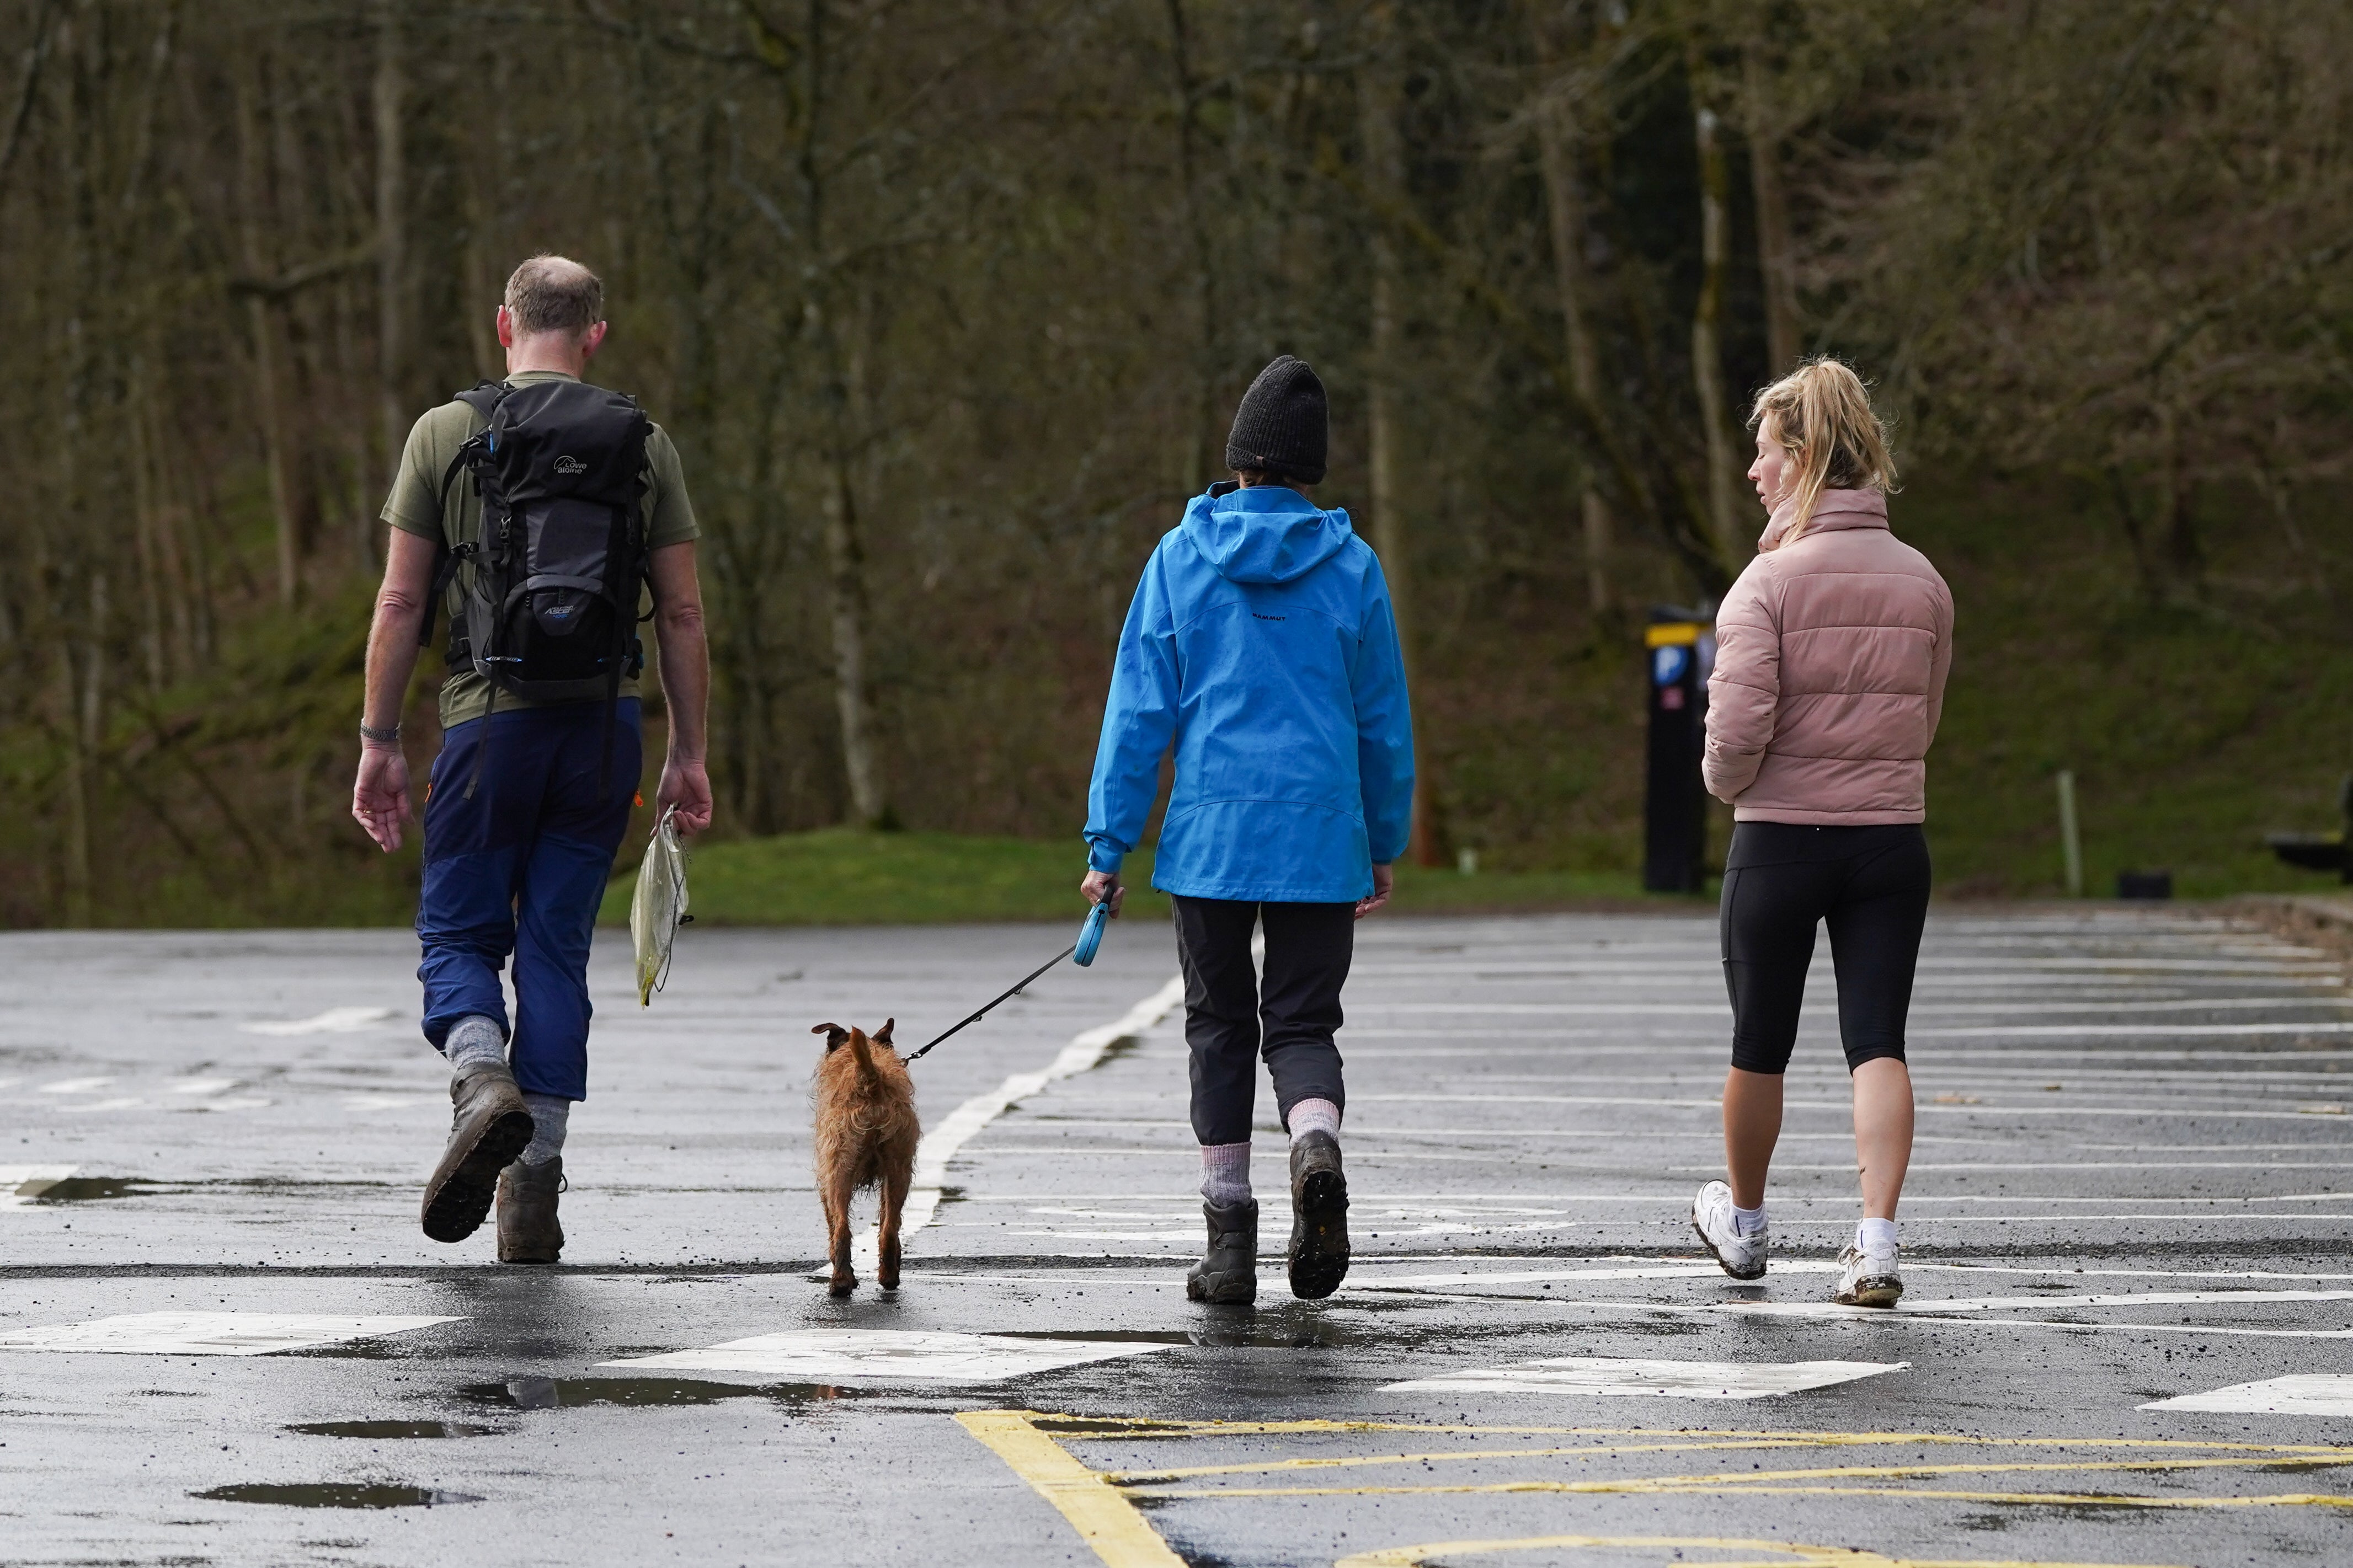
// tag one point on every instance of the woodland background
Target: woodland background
(947, 303)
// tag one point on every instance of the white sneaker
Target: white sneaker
(1867, 1278)
(1742, 1257)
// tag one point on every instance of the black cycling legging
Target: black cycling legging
(1779, 879)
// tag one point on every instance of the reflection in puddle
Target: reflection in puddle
(393, 1429)
(1115, 1336)
(88, 1189)
(335, 1494)
(566, 1392)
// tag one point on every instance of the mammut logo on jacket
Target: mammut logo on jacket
(570, 465)
(1259, 616)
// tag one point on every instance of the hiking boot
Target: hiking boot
(1739, 1254)
(528, 1232)
(488, 1125)
(1227, 1275)
(1319, 1217)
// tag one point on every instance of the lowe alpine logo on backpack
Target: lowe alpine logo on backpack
(549, 610)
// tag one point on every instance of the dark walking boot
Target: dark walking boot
(528, 1232)
(1227, 1275)
(488, 1125)
(1319, 1217)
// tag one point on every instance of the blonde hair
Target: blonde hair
(1821, 415)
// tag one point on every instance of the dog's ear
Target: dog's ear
(834, 1035)
(883, 1035)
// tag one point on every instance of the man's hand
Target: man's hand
(380, 793)
(1105, 887)
(1383, 879)
(685, 785)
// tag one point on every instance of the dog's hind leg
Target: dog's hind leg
(894, 1198)
(836, 1224)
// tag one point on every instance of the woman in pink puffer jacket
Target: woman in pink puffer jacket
(1830, 677)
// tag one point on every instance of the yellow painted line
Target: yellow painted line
(1783, 1552)
(1105, 1520)
(1121, 1429)
(1668, 1488)
(2270, 1455)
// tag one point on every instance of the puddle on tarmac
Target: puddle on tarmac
(93, 1189)
(335, 1494)
(567, 1393)
(388, 1430)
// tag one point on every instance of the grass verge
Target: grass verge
(840, 877)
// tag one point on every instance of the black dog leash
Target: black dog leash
(1083, 950)
(1025, 979)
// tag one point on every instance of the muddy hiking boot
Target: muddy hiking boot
(528, 1231)
(488, 1125)
(1319, 1217)
(1227, 1275)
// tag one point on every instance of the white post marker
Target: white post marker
(211, 1333)
(1609, 1377)
(2312, 1393)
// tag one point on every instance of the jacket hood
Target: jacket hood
(1266, 534)
(1832, 510)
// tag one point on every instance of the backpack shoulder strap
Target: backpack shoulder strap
(483, 398)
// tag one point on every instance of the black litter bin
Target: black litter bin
(1680, 645)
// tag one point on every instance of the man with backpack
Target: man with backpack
(540, 509)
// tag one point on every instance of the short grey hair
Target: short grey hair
(555, 294)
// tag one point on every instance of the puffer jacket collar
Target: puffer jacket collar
(1832, 510)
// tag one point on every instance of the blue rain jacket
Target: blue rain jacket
(1261, 641)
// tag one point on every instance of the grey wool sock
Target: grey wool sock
(1313, 1116)
(1224, 1174)
(473, 1039)
(549, 1113)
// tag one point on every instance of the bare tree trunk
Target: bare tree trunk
(76, 847)
(391, 90)
(846, 581)
(1379, 93)
(1775, 255)
(1565, 199)
(1707, 354)
(263, 325)
(1204, 290)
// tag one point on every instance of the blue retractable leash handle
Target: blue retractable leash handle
(1090, 935)
(1082, 951)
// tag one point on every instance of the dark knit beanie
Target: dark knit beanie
(1283, 424)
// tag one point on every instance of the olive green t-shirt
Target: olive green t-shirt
(415, 506)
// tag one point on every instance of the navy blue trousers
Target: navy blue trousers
(520, 871)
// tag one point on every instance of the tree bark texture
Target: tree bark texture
(390, 101)
(1379, 92)
(1708, 351)
(264, 327)
(1776, 256)
(1556, 154)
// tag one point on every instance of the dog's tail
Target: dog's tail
(861, 1051)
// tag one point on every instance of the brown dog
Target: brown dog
(866, 1137)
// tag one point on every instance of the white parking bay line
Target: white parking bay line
(333, 1021)
(2311, 1393)
(1604, 1376)
(830, 1355)
(211, 1333)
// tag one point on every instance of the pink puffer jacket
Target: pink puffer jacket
(1829, 672)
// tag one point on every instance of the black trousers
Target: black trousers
(1780, 878)
(1230, 1021)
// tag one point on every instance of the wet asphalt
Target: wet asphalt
(2131, 1184)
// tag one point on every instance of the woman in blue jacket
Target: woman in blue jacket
(1261, 642)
